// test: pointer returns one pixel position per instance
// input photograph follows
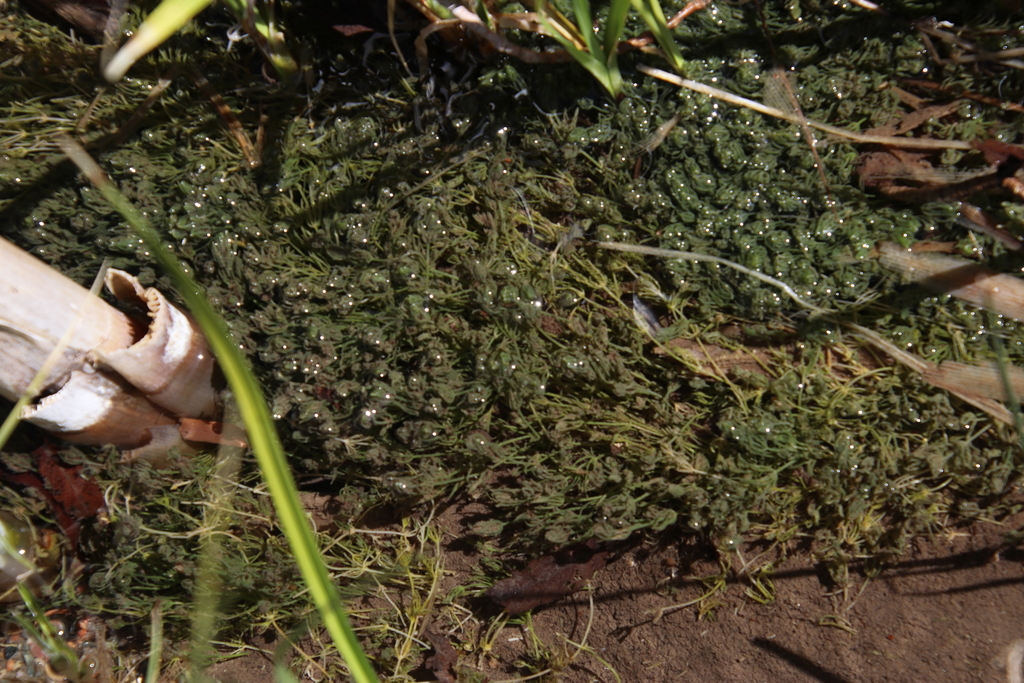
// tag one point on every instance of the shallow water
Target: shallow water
(407, 275)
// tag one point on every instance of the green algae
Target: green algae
(408, 278)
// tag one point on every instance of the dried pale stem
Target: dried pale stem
(913, 143)
(693, 256)
(933, 374)
(1004, 57)
(251, 155)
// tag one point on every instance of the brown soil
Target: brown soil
(948, 611)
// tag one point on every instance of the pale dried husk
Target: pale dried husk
(97, 408)
(172, 364)
(117, 379)
(39, 304)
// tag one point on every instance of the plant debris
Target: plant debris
(1001, 293)
(401, 272)
(72, 498)
(442, 662)
(549, 578)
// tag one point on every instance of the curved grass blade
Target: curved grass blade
(585, 23)
(171, 15)
(161, 24)
(258, 421)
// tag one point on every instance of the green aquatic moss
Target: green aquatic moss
(415, 281)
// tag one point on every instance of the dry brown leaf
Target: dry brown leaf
(549, 578)
(997, 292)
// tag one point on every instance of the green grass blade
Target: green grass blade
(438, 9)
(257, 18)
(217, 518)
(258, 421)
(560, 24)
(1012, 399)
(597, 68)
(161, 24)
(655, 19)
(62, 658)
(585, 23)
(609, 78)
(156, 644)
(613, 29)
(282, 674)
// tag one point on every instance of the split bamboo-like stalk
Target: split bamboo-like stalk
(171, 364)
(119, 379)
(38, 305)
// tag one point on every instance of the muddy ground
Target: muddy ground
(948, 611)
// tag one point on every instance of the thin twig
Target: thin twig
(913, 143)
(228, 116)
(693, 256)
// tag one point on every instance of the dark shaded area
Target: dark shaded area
(798, 661)
(86, 17)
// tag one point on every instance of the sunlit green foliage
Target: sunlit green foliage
(170, 16)
(400, 273)
(600, 56)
